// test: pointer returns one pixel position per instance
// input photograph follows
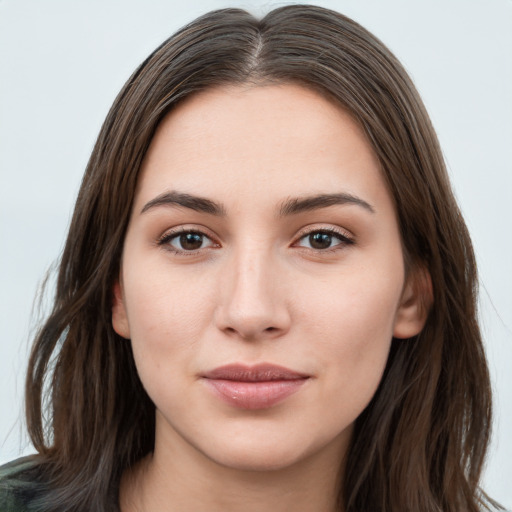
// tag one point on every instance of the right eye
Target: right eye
(186, 241)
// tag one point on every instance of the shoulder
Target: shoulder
(17, 485)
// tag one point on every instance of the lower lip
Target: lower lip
(254, 395)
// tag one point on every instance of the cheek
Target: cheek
(167, 316)
(358, 306)
(352, 325)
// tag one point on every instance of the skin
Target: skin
(258, 289)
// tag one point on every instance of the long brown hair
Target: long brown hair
(420, 444)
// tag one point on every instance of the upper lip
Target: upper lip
(257, 373)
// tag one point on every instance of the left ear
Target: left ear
(415, 304)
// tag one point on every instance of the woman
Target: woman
(267, 295)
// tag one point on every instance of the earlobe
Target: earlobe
(119, 316)
(415, 304)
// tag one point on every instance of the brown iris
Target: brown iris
(191, 241)
(320, 240)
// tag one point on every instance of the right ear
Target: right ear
(119, 316)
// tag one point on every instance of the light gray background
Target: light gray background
(63, 62)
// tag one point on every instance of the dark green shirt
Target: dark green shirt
(23, 488)
(16, 488)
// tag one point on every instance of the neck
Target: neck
(176, 478)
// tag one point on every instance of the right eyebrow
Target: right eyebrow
(197, 203)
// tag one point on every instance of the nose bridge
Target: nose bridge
(252, 269)
(252, 304)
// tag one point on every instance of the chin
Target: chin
(267, 453)
(257, 460)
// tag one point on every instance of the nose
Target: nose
(252, 302)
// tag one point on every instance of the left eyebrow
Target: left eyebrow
(296, 205)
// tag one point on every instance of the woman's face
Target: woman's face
(262, 277)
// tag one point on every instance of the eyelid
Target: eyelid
(164, 239)
(346, 238)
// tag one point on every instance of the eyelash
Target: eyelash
(343, 238)
(166, 238)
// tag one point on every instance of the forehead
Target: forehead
(266, 139)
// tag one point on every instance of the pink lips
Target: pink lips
(254, 387)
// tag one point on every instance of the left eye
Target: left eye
(188, 241)
(322, 240)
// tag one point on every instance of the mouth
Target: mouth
(254, 387)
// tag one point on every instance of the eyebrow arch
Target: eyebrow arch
(296, 205)
(174, 198)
